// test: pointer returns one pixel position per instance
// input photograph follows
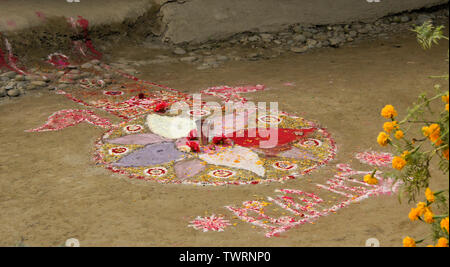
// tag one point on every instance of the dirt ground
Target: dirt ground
(50, 190)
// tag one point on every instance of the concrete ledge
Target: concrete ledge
(16, 15)
(197, 21)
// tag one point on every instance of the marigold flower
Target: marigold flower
(370, 179)
(383, 139)
(445, 98)
(399, 134)
(390, 126)
(442, 242)
(398, 163)
(446, 107)
(409, 242)
(428, 216)
(388, 112)
(421, 208)
(433, 132)
(444, 224)
(445, 153)
(413, 214)
(429, 195)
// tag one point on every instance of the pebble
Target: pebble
(299, 49)
(86, 66)
(179, 51)
(311, 43)
(14, 92)
(189, 59)
(38, 83)
(9, 74)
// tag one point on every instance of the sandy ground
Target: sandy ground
(50, 190)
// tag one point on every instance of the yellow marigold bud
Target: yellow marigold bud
(370, 179)
(429, 195)
(428, 216)
(421, 208)
(390, 126)
(388, 112)
(444, 224)
(442, 242)
(409, 242)
(413, 214)
(383, 139)
(398, 163)
(399, 134)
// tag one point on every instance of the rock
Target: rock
(422, 18)
(299, 49)
(86, 66)
(311, 43)
(299, 38)
(266, 37)
(11, 85)
(222, 58)
(336, 41)
(210, 60)
(9, 74)
(321, 36)
(404, 19)
(254, 38)
(2, 92)
(308, 34)
(95, 62)
(189, 59)
(179, 51)
(14, 92)
(353, 34)
(19, 78)
(203, 67)
(38, 83)
(30, 87)
(4, 78)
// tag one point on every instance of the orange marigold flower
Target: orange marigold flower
(398, 163)
(413, 214)
(444, 224)
(445, 153)
(390, 126)
(409, 242)
(446, 107)
(388, 112)
(445, 98)
(433, 132)
(399, 134)
(442, 242)
(429, 195)
(383, 139)
(428, 216)
(421, 208)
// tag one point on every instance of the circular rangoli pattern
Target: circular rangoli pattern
(281, 148)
